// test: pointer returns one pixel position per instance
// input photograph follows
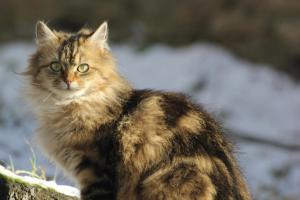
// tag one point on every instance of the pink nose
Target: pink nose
(68, 82)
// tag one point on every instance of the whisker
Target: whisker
(47, 97)
(37, 84)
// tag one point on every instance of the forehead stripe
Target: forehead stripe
(69, 48)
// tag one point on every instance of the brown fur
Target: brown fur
(121, 143)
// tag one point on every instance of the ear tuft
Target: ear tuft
(44, 33)
(100, 36)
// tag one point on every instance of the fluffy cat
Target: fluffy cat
(121, 143)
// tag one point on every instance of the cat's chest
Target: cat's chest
(63, 131)
(79, 130)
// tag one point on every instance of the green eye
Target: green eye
(83, 68)
(56, 67)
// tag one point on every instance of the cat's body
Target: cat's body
(121, 143)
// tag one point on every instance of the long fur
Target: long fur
(121, 143)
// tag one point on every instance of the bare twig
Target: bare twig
(263, 141)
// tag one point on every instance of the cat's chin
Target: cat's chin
(69, 95)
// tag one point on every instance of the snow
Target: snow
(64, 189)
(248, 98)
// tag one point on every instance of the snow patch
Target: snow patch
(64, 189)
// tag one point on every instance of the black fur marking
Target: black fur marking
(68, 48)
(136, 97)
(108, 148)
(85, 163)
(180, 174)
(221, 184)
(189, 146)
(98, 190)
(106, 184)
(174, 106)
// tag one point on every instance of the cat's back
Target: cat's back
(173, 149)
(168, 112)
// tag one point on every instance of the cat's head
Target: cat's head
(71, 65)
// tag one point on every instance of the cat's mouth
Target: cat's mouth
(69, 89)
(68, 93)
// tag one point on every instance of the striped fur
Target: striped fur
(121, 143)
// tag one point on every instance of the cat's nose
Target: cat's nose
(68, 82)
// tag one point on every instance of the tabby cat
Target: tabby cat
(118, 142)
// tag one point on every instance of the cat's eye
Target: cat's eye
(83, 68)
(56, 67)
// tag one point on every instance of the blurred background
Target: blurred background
(239, 58)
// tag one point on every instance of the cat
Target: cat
(118, 142)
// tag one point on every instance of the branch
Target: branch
(263, 141)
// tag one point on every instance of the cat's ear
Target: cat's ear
(43, 33)
(100, 36)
